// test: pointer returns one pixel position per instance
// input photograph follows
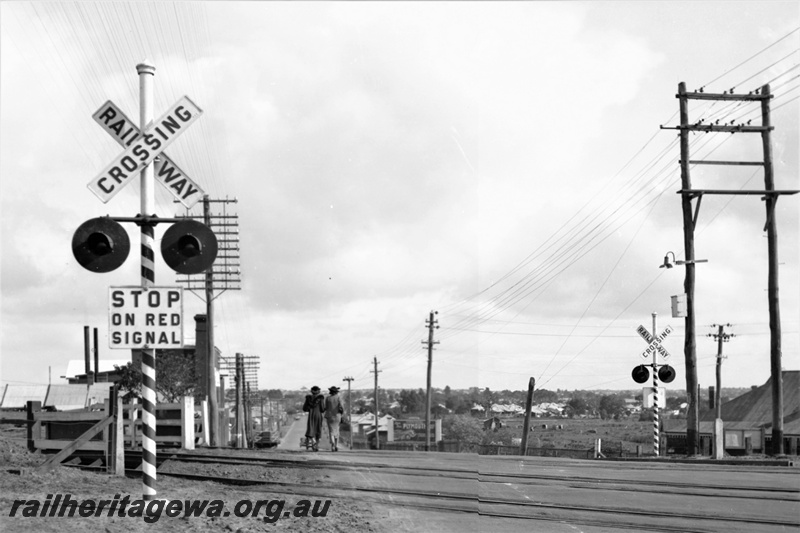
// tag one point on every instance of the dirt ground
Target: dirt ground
(345, 515)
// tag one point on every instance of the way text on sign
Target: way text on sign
(145, 317)
(167, 173)
(144, 149)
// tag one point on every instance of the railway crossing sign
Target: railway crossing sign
(654, 344)
(150, 144)
(167, 173)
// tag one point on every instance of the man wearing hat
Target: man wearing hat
(333, 416)
(314, 406)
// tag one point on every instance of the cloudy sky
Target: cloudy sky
(499, 163)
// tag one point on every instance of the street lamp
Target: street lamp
(669, 264)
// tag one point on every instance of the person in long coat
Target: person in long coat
(333, 416)
(314, 406)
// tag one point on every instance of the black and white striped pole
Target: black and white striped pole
(656, 426)
(146, 73)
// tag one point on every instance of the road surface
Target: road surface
(291, 441)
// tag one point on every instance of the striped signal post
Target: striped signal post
(146, 74)
(656, 426)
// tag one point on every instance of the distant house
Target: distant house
(493, 424)
(76, 371)
(632, 405)
(548, 409)
(747, 416)
(506, 410)
(477, 410)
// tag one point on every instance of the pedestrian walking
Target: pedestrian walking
(314, 406)
(333, 416)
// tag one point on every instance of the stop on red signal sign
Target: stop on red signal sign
(140, 317)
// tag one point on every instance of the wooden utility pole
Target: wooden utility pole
(431, 324)
(241, 418)
(770, 195)
(689, 344)
(248, 415)
(377, 435)
(348, 379)
(211, 356)
(523, 449)
(772, 277)
(222, 276)
(719, 430)
(720, 337)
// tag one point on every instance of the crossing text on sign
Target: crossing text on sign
(145, 317)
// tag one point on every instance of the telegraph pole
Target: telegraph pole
(223, 275)
(720, 337)
(772, 277)
(348, 379)
(770, 195)
(377, 435)
(719, 435)
(431, 324)
(689, 344)
(523, 450)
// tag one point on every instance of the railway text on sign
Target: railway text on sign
(145, 317)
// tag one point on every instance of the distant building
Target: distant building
(492, 424)
(477, 410)
(747, 416)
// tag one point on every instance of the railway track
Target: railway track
(654, 486)
(404, 486)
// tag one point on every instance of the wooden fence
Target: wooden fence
(108, 430)
(177, 424)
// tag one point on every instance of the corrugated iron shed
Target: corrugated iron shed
(17, 396)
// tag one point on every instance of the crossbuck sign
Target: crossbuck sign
(143, 148)
(654, 344)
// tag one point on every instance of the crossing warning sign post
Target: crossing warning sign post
(145, 317)
(666, 373)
